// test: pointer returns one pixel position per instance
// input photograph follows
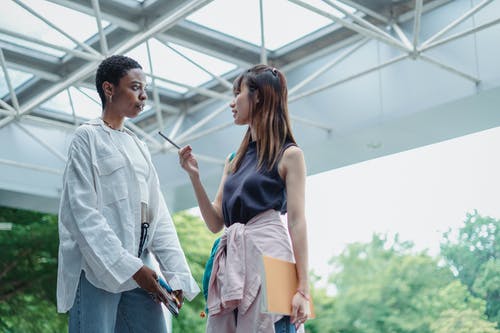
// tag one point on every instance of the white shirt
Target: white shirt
(128, 146)
(99, 219)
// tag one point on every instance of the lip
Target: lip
(140, 106)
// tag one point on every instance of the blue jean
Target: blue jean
(284, 325)
(96, 310)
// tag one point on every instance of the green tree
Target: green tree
(474, 255)
(385, 286)
(28, 273)
(460, 312)
(196, 241)
(465, 321)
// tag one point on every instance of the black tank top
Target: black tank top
(249, 191)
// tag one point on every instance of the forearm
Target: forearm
(211, 216)
(298, 235)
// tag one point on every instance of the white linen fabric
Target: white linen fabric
(99, 219)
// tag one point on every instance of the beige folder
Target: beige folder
(279, 285)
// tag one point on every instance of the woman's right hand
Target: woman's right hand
(147, 279)
(187, 161)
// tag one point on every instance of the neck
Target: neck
(113, 121)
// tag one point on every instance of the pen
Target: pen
(166, 138)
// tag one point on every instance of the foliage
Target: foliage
(464, 321)
(383, 286)
(28, 273)
(474, 254)
(196, 241)
(460, 312)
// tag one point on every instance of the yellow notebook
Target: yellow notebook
(279, 285)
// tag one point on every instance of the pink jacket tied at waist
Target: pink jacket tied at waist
(236, 272)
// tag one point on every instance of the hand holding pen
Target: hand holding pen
(186, 158)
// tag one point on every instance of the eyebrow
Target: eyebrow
(141, 83)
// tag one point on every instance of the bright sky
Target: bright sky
(419, 194)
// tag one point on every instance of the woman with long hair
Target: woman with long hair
(265, 177)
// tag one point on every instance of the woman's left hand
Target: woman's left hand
(300, 310)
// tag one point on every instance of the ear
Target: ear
(108, 88)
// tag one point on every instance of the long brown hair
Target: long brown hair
(268, 116)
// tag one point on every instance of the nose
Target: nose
(232, 104)
(144, 95)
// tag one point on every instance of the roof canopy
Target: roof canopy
(366, 78)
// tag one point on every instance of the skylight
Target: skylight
(78, 25)
(281, 20)
(17, 78)
(86, 103)
(173, 67)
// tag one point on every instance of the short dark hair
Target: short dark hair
(112, 69)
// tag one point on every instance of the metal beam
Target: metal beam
(263, 51)
(327, 66)
(30, 166)
(55, 27)
(202, 122)
(357, 28)
(366, 10)
(41, 142)
(162, 24)
(116, 20)
(361, 21)
(156, 96)
(102, 35)
(74, 77)
(460, 35)
(73, 112)
(311, 123)
(223, 81)
(402, 36)
(206, 132)
(450, 69)
(199, 90)
(416, 23)
(177, 125)
(12, 92)
(88, 69)
(74, 52)
(6, 120)
(336, 83)
(6, 74)
(456, 22)
(4, 112)
(42, 74)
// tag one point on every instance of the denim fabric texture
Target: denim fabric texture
(284, 325)
(96, 310)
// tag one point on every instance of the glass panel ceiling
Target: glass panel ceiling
(280, 20)
(17, 78)
(85, 101)
(177, 68)
(172, 66)
(78, 25)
